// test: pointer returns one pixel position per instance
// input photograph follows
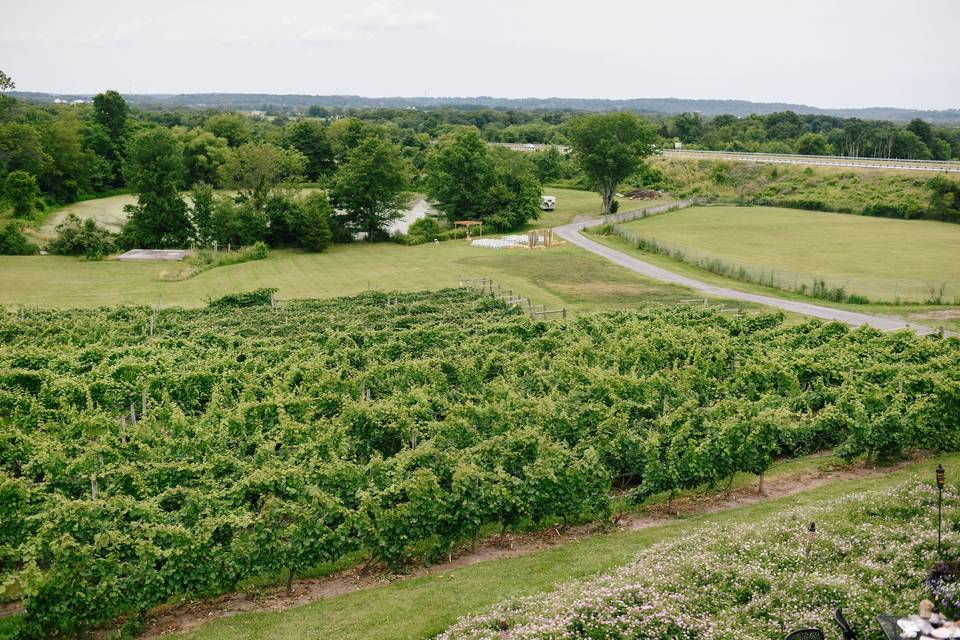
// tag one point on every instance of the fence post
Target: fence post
(563, 313)
(143, 402)
(133, 414)
(94, 489)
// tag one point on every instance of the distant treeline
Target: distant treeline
(297, 103)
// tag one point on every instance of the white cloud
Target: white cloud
(385, 14)
(122, 34)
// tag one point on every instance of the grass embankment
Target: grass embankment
(564, 276)
(837, 187)
(424, 606)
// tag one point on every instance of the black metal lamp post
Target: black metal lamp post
(940, 480)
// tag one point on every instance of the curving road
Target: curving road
(571, 233)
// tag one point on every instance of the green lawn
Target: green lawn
(424, 606)
(882, 259)
(564, 276)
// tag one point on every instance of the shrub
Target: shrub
(20, 189)
(254, 298)
(77, 237)
(426, 227)
(314, 226)
(14, 243)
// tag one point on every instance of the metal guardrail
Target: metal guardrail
(945, 166)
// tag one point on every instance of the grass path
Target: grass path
(422, 606)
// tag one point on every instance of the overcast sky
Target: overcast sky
(828, 53)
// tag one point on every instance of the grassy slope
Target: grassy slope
(880, 258)
(836, 186)
(422, 607)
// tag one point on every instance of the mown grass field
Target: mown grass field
(424, 606)
(559, 277)
(883, 259)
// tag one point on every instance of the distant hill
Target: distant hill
(651, 106)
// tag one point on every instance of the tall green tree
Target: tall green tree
(21, 191)
(254, 169)
(314, 228)
(310, 138)
(111, 111)
(369, 187)
(610, 148)
(233, 127)
(813, 144)
(155, 172)
(460, 174)
(6, 82)
(203, 154)
(202, 207)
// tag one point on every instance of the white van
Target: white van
(548, 203)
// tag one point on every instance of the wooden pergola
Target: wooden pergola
(469, 224)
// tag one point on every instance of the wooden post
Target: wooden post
(413, 439)
(143, 402)
(563, 313)
(94, 489)
(900, 387)
(133, 414)
(273, 302)
(151, 324)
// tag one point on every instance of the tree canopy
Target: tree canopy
(369, 187)
(610, 148)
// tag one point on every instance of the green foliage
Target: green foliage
(254, 298)
(467, 181)
(314, 226)
(255, 169)
(369, 187)
(110, 112)
(203, 204)
(237, 223)
(310, 138)
(610, 148)
(232, 127)
(275, 441)
(944, 199)
(21, 191)
(813, 144)
(155, 171)
(75, 237)
(14, 243)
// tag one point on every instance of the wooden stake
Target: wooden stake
(143, 402)
(413, 439)
(133, 414)
(94, 489)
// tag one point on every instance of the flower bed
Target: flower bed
(871, 555)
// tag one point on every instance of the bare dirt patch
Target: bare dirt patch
(188, 616)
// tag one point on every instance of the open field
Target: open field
(422, 607)
(883, 259)
(562, 276)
